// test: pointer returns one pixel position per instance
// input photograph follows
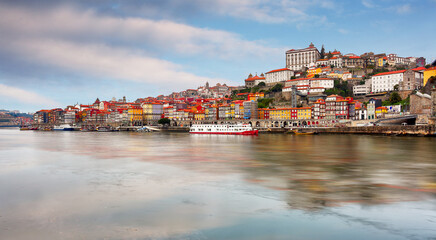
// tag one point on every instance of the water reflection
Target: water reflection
(73, 185)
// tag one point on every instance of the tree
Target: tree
(394, 98)
(164, 121)
(322, 52)
(261, 84)
(293, 77)
(329, 55)
(396, 87)
(277, 88)
(264, 102)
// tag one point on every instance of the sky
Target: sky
(55, 53)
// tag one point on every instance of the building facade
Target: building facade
(297, 59)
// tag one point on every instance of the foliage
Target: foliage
(261, 84)
(394, 98)
(293, 77)
(329, 55)
(340, 88)
(362, 82)
(316, 76)
(164, 121)
(264, 102)
(277, 88)
(396, 87)
(322, 52)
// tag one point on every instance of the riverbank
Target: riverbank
(413, 130)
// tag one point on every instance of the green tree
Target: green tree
(264, 102)
(394, 98)
(322, 52)
(164, 121)
(277, 88)
(261, 84)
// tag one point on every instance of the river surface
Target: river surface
(123, 185)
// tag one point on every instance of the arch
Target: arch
(257, 124)
(276, 124)
(251, 124)
(190, 124)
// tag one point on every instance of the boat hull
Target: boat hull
(253, 132)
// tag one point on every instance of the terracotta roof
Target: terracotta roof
(388, 73)
(279, 70)
(419, 69)
(254, 78)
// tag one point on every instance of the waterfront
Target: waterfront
(127, 185)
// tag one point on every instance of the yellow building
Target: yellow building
(135, 115)
(280, 113)
(199, 115)
(304, 113)
(428, 74)
(312, 72)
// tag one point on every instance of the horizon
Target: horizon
(54, 53)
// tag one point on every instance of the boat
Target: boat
(225, 129)
(104, 129)
(300, 132)
(63, 127)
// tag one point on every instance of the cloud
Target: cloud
(102, 61)
(368, 3)
(269, 11)
(403, 9)
(343, 31)
(86, 43)
(25, 96)
(162, 36)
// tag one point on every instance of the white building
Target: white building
(309, 85)
(386, 81)
(278, 75)
(362, 89)
(296, 59)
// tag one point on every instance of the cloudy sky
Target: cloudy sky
(56, 53)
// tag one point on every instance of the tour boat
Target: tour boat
(226, 129)
(63, 127)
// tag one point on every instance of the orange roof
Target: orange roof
(388, 73)
(354, 57)
(279, 70)
(419, 69)
(254, 78)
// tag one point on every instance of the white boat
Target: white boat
(226, 129)
(63, 127)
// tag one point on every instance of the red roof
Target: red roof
(279, 70)
(354, 57)
(254, 78)
(388, 73)
(419, 69)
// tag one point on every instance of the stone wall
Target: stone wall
(405, 94)
(420, 105)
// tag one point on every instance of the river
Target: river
(126, 185)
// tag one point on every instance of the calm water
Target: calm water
(85, 185)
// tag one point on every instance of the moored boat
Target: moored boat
(63, 127)
(225, 129)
